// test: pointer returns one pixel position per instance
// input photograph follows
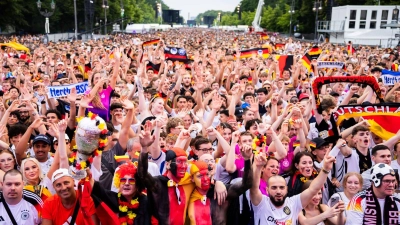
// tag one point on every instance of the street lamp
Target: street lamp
(316, 8)
(105, 7)
(46, 14)
(202, 20)
(395, 15)
(291, 11)
(239, 12)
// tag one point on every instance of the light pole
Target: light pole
(316, 8)
(105, 7)
(159, 11)
(201, 21)
(76, 21)
(122, 15)
(46, 14)
(291, 11)
(239, 12)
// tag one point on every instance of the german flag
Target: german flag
(175, 54)
(314, 52)
(285, 62)
(152, 42)
(279, 46)
(395, 67)
(263, 35)
(154, 67)
(306, 61)
(350, 50)
(264, 52)
(383, 118)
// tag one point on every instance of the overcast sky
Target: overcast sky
(194, 7)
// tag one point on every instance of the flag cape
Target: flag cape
(383, 118)
(175, 54)
(264, 52)
(390, 77)
(16, 46)
(369, 80)
(152, 42)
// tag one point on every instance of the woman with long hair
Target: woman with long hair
(269, 170)
(34, 179)
(352, 184)
(316, 213)
(301, 170)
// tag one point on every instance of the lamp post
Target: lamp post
(201, 21)
(316, 8)
(239, 12)
(159, 11)
(291, 11)
(46, 14)
(105, 7)
(395, 15)
(76, 22)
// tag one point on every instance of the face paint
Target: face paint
(202, 180)
(179, 166)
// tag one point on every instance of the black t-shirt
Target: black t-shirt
(262, 109)
(106, 178)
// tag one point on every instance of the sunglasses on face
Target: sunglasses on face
(124, 180)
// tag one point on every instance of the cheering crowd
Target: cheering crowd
(201, 127)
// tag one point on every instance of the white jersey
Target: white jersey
(266, 213)
(24, 213)
(344, 164)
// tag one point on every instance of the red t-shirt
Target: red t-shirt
(54, 210)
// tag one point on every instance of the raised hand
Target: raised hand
(72, 95)
(128, 105)
(260, 160)
(146, 139)
(253, 105)
(85, 101)
(246, 151)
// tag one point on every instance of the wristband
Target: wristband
(325, 171)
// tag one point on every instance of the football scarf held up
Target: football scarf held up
(372, 212)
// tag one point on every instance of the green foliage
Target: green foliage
(24, 16)
(213, 13)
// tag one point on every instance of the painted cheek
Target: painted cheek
(205, 182)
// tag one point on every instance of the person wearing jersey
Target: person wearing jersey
(18, 206)
(376, 205)
(278, 209)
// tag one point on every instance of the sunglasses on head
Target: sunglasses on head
(124, 180)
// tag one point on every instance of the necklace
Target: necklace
(126, 215)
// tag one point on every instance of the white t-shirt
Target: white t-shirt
(266, 213)
(395, 165)
(46, 165)
(24, 213)
(357, 206)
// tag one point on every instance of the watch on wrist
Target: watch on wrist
(325, 171)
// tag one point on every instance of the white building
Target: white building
(362, 25)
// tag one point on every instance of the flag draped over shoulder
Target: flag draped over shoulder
(383, 118)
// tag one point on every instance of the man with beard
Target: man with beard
(278, 208)
(186, 84)
(376, 205)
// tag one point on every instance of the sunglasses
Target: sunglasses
(130, 180)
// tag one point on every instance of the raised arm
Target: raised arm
(126, 125)
(260, 161)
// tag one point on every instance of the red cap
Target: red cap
(303, 96)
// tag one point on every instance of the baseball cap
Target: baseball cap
(60, 63)
(319, 142)
(62, 172)
(43, 138)
(303, 96)
(238, 111)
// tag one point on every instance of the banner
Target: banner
(383, 118)
(330, 64)
(59, 91)
(152, 42)
(175, 54)
(390, 77)
(370, 81)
